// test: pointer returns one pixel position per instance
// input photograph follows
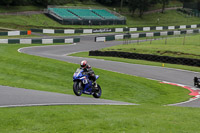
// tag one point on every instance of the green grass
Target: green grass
(125, 10)
(103, 119)
(38, 21)
(187, 47)
(42, 21)
(134, 61)
(21, 36)
(171, 17)
(5, 9)
(62, 34)
(172, 3)
(31, 72)
(173, 47)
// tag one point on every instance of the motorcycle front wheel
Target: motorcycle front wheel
(97, 93)
(77, 89)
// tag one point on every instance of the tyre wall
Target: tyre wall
(148, 57)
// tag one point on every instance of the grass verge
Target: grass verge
(32, 72)
(183, 46)
(106, 119)
(187, 47)
(41, 21)
(6, 9)
(134, 61)
(21, 36)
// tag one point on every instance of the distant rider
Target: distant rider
(87, 68)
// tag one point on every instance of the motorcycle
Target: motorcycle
(82, 84)
(196, 81)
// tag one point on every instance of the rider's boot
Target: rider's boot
(95, 85)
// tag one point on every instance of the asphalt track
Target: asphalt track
(87, 43)
(15, 97)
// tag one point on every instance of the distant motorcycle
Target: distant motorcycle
(82, 84)
(196, 81)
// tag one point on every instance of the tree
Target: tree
(45, 3)
(141, 5)
(121, 4)
(164, 3)
(6, 2)
(22, 2)
(132, 6)
(106, 2)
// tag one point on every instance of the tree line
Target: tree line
(43, 3)
(133, 5)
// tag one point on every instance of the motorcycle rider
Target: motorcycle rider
(87, 68)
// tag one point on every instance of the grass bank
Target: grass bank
(31, 72)
(6, 9)
(187, 47)
(26, 22)
(106, 119)
(134, 61)
(21, 36)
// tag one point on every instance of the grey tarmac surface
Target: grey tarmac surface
(87, 43)
(60, 52)
(16, 97)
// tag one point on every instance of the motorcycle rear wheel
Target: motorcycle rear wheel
(77, 90)
(97, 93)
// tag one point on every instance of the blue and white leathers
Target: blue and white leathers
(82, 84)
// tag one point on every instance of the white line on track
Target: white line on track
(134, 64)
(191, 99)
(19, 50)
(183, 102)
(55, 104)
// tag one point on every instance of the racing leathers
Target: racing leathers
(88, 70)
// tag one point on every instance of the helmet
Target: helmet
(84, 64)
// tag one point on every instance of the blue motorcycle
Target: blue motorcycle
(82, 84)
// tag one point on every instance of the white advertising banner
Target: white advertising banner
(87, 31)
(13, 33)
(163, 33)
(190, 31)
(47, 41)
(146, 28)
(177, 32)
(159, 28)
(183, 27)
(100, 39)
(134, 35)
(69, 31)
(171, 27)
(70, 40)
(149, 35)
(119, 37)
(4, 41)
(133, 29)
(119, 30)
(193, 26)
(25, 41)
(49, 31)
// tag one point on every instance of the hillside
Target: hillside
(24, 22)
